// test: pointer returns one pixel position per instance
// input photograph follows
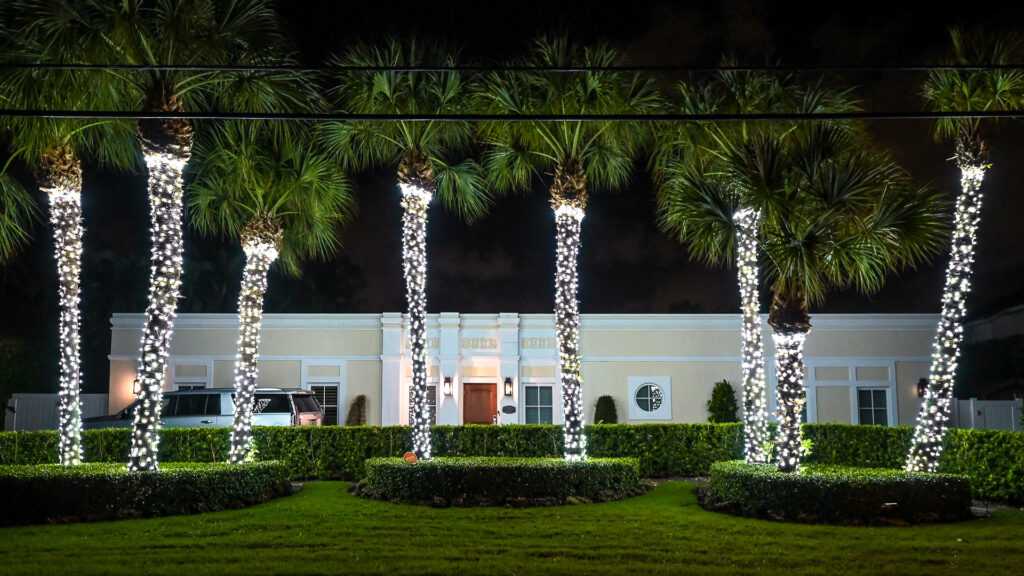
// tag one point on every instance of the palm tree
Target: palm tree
(51, 32)
(579, 154)
(424, 153)
(184, 32)
(834, 214)
(958, 91)
(17, 213)
(281, 196)
(687, 155)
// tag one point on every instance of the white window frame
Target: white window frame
(664, 412)
(554, 399)
(308, 381)
(855, 401)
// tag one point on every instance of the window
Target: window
(649, 397)
(327, 395)
(191, 385)
(539, 407)
(872, 404)
(432, 402)
(272, 404)
(197, 405)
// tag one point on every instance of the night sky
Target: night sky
(505, 261)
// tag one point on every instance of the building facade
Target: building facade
(485, 368)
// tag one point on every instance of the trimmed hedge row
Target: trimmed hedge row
(994, 460)
(500, 481)
(52, 493)
(837, 494)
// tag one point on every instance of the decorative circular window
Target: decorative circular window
(648, 397)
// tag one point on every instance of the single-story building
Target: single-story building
(504, 367)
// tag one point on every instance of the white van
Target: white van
(214, 407)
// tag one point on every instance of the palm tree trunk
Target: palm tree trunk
(755, 404)
(261, 241)
(165, 201)
(789, 319)
(61, 179)
(416, 181)
(934, 417)
(568, 199)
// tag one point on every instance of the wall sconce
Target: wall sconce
(508, 386)
(447, 385)
(136, 387)
(922, 386)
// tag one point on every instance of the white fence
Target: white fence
(39, 411)
(987, 414)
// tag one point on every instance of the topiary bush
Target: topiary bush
(500, 481)
(605, 411)
(836, 494)
(722, 405)
(357, 413)
(51, 493)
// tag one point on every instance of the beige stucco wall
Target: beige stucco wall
(833, 404)
(907, 375)
(280, 374)
(363, 377)
(122, 376)
(692, 383)
(659, 342)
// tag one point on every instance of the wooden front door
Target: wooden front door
(479, 403)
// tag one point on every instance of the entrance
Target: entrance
(479, 403)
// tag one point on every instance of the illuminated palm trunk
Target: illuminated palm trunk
(261, 242)
(569, 200)
(755, 423)
(415, 201)
(790, 321)
(62, 182)
(416, 180)
(165, 201)
(934, 418)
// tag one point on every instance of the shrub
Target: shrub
(357, 413)
(993, 459)
(667, 449)
(605, 411)
(500, 481)
(722, 405)
(837, 494)
(856, 445)
(54, 493)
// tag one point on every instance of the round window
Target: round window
(648, 397)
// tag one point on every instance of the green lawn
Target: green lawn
(325, 530)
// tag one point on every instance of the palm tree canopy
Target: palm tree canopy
(360, 145)
(247, 170)
(836, 213)
(18, 212)
(59, 32)
(519, 151)
(976, 90)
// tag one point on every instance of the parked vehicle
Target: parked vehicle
(214, 407)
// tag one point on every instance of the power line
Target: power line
(480, 69)
(343, 117)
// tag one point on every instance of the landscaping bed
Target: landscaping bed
(517, 482)
(836, 494)
(51, 493)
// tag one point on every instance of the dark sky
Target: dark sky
(505, 261)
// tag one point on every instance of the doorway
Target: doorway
(479, 403)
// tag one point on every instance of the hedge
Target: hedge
(52, 493)
(837, 494)
(491, 481)
(994, 460)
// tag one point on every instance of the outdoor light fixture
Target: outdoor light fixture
(508, 386)
(922, 386)
(447, 385)
(136, 387)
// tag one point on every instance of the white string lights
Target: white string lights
(261, 242)
(789, 368)
(165, 201)
(64, 190)
(755, 405)
(934, 417)
(415, 201)
(568, 221)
